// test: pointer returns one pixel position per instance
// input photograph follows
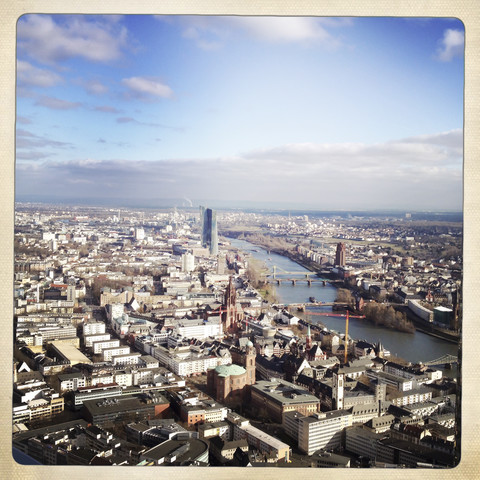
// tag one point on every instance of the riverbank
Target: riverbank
(428, 328)
(418, 323)
(412, 347)
(292, 255)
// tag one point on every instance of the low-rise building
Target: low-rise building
(276, 397)
(411, 397)
(256, 438)
(122, 409)
(109, 352)
(191, 451)
(224, 450)
(97, 393)
(132, 358)
(214, 429)
(96, 337)
(70, 381)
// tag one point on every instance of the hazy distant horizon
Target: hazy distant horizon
(222, 206)
(314, 112)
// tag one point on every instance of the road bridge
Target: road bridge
(275, 268)
(294, 281)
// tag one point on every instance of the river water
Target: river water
(414, 347)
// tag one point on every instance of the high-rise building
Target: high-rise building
(202, 216)
(209, 230)
(71, 294)
(221, 264)
(139, 234)
(188, 262)
(340, 255)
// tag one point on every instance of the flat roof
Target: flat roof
(193, 448)
(265, 437)
(284, 392)
(71, 353)
(326, 416)
(118, 404)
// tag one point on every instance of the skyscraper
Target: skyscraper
(340, 255)
(202, 216)
(209, 230)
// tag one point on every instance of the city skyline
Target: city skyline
(309, 112)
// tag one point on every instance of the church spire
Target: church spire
(308, 340)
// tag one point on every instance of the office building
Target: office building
(321, 430)
(340, 255)
(209, 230)
(276, 397)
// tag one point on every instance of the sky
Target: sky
(295, 112)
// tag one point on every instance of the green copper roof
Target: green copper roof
(227, 370)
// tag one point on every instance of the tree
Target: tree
(345, 296)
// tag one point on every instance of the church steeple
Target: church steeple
(308, 341)
(230, 307)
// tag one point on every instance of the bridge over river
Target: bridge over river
(443, 360)
(278, 276)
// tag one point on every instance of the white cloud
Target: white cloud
(285, 29)
(107, 109)
(452, 140)
(27, 74)
(144, 88)
(50, 40)
(95, 87)
(34, 147)
(211, 32)
(451, 45)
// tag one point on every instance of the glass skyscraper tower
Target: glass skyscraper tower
(208, 219)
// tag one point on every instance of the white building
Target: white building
(93, 328)
(71, 381)
(139, 234)
(185, 362)
(322, 430)
(188, 262)
(109, 353)
(123, 378)
(98, 347)
(95, 338)
(262, 441)
(199, 328)
(126, 359)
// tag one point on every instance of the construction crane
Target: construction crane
(346, 339)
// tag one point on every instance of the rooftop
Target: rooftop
(229, 370)
(284, 392)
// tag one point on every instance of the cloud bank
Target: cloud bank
(49, 42)
(420, 172)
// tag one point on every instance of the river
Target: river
(414, 347)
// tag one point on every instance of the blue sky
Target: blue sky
(311, 112)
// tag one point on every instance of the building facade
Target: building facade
(340, 255)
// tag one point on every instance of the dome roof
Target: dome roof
(227, 370)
